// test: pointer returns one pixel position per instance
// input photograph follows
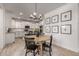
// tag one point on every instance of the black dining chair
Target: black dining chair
(30, 46)
(48, 45)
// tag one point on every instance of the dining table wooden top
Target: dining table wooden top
(40, 38)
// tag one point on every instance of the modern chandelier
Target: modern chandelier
(35, 15)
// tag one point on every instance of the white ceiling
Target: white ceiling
(28, 8)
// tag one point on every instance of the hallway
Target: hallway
(17, 49)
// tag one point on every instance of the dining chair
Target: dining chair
(48, 45)
(30, 46)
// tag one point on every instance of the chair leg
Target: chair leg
(26, 53)
(34, 53)
(38, 50)
(50, 50)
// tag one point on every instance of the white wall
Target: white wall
(70, 42)
(1, 27)
(9, 37)
(78, 24)
(8, 20)
(5, 23)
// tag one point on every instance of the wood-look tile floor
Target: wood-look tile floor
(17, 49)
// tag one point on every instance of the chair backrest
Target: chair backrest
(50, 40)
(30, 32)
(37, 33)
(29, 41)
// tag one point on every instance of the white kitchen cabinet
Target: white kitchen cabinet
(9, 38)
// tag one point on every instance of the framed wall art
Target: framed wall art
(47, 20)
(55, 29)
(66, 16)
(47, 29)
(55, 19)
(66, 29)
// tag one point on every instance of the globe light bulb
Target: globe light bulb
(40, 15)
(31, 15)
(34, 13)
